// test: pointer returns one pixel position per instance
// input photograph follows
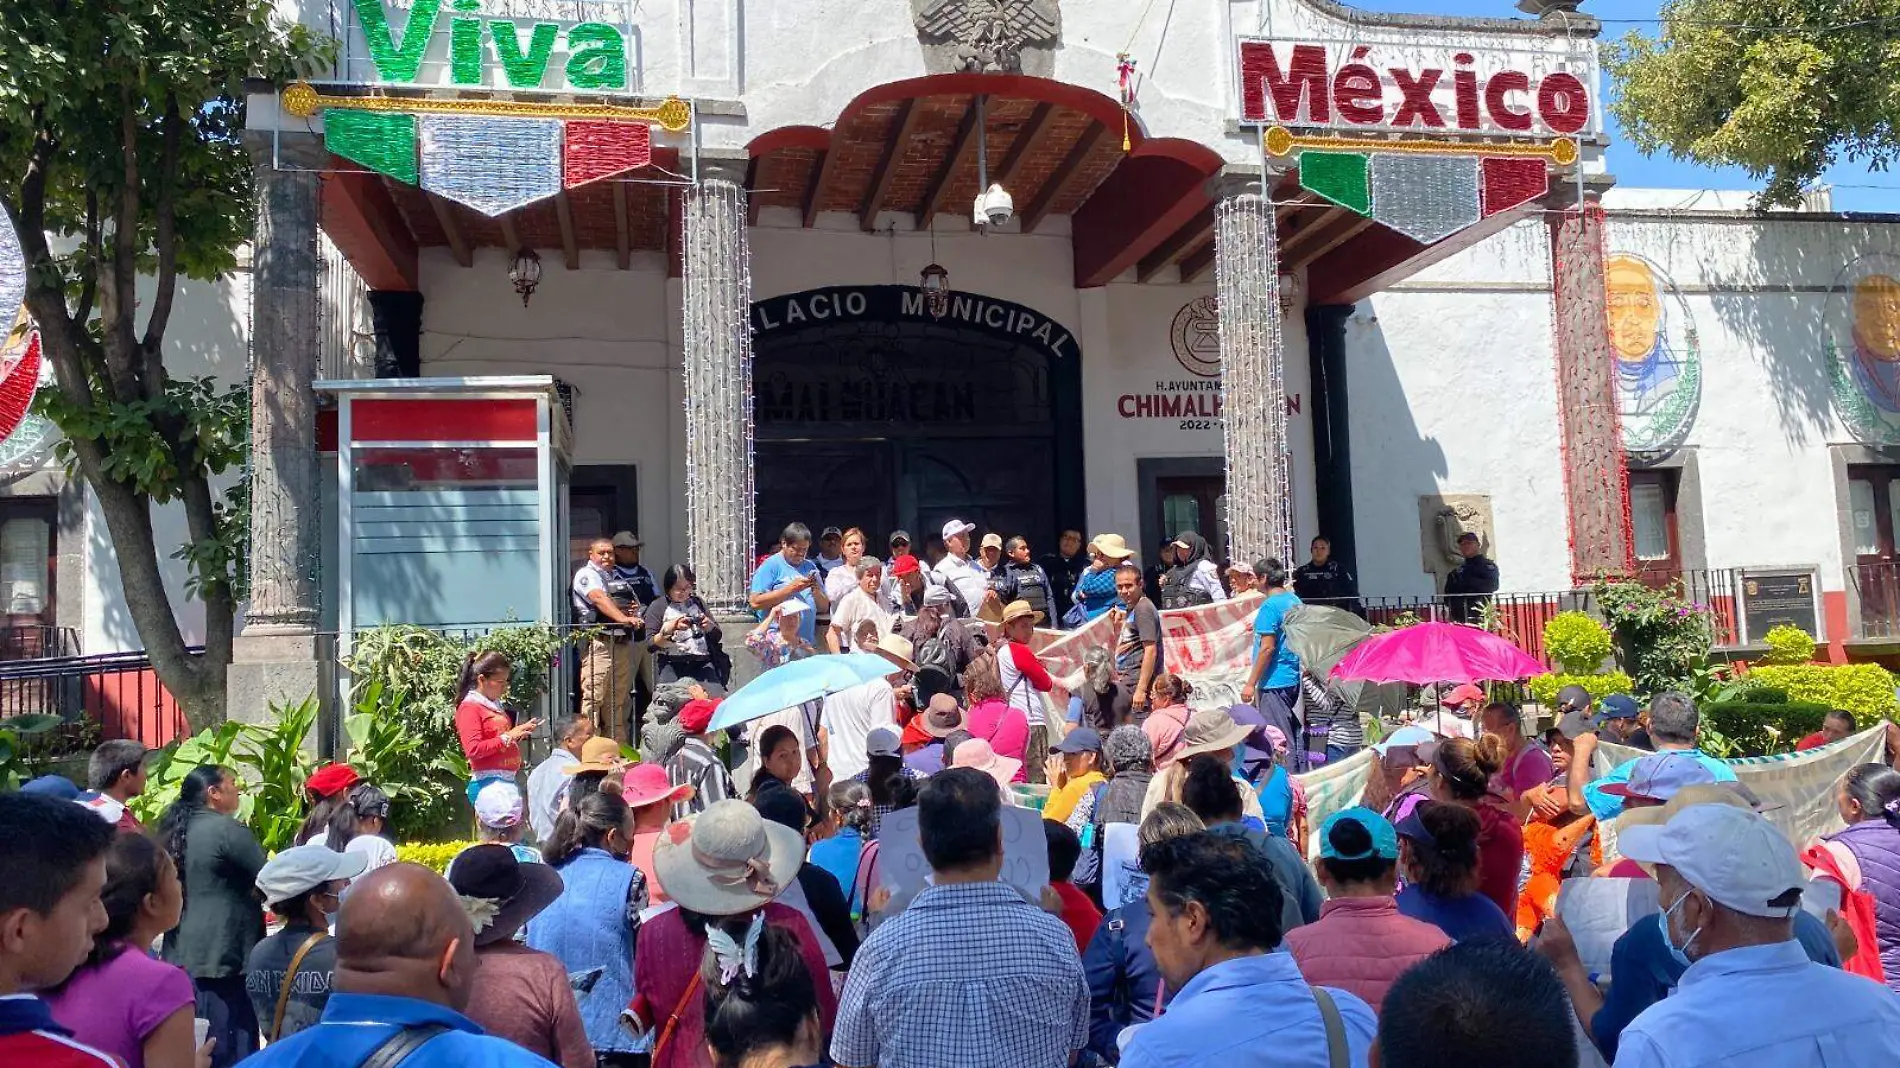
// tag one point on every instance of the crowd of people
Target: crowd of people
(848, 882)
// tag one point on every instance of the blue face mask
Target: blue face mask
(1680, 953)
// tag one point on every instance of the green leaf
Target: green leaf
(33, 723)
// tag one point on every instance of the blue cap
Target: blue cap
(1385, 840)
(1079, 740)
(1618, 706)
(55, 786)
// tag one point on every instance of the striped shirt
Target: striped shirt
(1324, 708)
(698, 766)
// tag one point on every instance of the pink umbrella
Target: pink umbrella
(1436, 652)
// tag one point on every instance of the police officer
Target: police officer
(1470, 585)
(1018, 578)
(641, 588)
(607, 667)
(1325, 579)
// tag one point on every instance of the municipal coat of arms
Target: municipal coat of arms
(986, 36)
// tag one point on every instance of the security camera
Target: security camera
(994, 207)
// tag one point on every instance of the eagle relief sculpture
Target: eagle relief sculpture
(987, 36)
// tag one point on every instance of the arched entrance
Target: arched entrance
(871, 412)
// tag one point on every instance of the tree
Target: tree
(121, 156)
(1781, 88)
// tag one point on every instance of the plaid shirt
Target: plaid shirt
(970, 973)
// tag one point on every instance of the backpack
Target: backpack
(1088, 867)
(936, 660)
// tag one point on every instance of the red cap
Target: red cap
(331, 780)
(905, 565)
(694, 715)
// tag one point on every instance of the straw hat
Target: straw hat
(1017, 610)
(1112, 546)
(597, 754)
(727, 860)
(896, 648)
(1209, 732)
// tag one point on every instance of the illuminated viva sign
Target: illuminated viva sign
(1452, 91)
(522, 52)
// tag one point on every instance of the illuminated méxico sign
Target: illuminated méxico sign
(1444, 91)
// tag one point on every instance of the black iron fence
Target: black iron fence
(118, 691)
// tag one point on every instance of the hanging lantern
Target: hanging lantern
(525, 273)
(935, 282)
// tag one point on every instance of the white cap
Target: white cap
(1733, 855)
(791, 606)
(955, 527)
(498, 804)
(301, 869)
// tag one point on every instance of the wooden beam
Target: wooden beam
(509, 235)
(1052, 188)
(1196, 263)
(751, 191)
(444, 210)
(1032, 135)
(1313, 226)
(363, 220)
(564, 214)
(1187, 237)
(959, 151)
(894, 146)
(1147, 200)
(827, 160)
(1321, 246)
(623, 233)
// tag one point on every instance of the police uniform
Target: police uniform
(1024, 582)
(633, 588)
(607, 667)
(1329, 582)
(1469, 588)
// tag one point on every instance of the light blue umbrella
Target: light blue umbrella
(788, 685)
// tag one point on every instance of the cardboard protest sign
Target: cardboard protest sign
(1599, 911)
(1122, 878)
(904, 871)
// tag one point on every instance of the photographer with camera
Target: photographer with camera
(686, 639)
(603, 597)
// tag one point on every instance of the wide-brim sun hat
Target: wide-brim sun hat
(727, 859)
(1209, 732)
(897, 649)
(1015, 610)
(980, 755)
(499, 892)
(597, 754)
(1113, 546)
(647, 784)
(941, 717)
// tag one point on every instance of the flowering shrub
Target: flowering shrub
(1662, 639)
(432, 855)
(1788, 644)
(1577, 642)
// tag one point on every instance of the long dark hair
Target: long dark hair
(1876, 788)
(479, 666)
(1447, 865)
(316, 823)
(134, 864)
(761, 1010)
(365, 801)
(881, 773)
(173, 825)
(585, 826)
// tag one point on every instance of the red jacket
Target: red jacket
(480, 728)
(1360, 945)
(28, 1036)
(1500, 854)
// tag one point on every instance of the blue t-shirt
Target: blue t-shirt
(839, 856)
(775, 572)
(1461, 918)
(1285, 670)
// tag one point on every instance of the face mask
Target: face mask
(1680, 953)
(329, 920)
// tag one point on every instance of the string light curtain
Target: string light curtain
(1253, 391)
(716, 281)
(1596, 482)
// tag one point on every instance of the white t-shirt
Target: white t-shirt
(850, 715)
(374, 846)
(967, 576)
(841, 580)
(685, 640)
(546, 785)
(852, 612)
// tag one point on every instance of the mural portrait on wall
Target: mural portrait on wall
(1658, 363)
(1864, 347)
(24, 437)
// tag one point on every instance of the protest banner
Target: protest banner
(1796, 789)
(1122, 878)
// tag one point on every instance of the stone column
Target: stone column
(1596, 485)
(716, 309)
(1253, 392)
(275, 656)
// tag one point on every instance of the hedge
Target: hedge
(1866, 690)
(1544, 688)
(1757, 728)
(435, 855)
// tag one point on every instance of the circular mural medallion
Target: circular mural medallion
(1863, 346)
(1195, 335)
(1658, 360)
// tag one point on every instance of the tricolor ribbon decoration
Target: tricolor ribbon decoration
(1426, 190)
(492, 155)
